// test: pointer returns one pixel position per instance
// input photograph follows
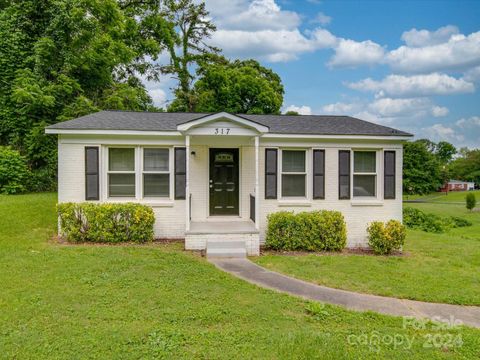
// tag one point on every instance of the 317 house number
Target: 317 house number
(221, 131)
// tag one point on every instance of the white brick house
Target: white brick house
(218, 176)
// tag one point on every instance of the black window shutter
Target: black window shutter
(344, 174)
(389, 175)
(180, 173)
(91, 173)
(319, 174)
(271, 156)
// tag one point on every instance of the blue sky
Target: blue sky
(413, 65)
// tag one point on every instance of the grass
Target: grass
(157, 301)
(441, 268)
(451, 196)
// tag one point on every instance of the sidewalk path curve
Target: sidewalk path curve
(253, 273)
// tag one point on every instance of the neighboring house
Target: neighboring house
(218, 176)
(458, 185)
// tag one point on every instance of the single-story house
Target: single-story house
(458, 185)
(217, 176)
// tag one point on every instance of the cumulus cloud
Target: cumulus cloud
(322, 19)
(350, 53)
(460, 52)
(420, 38)
(302, 110)
(417, 85)
(469, 123)
(386, 110)
(464, 132)
(252, 16)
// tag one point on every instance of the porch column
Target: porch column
(187, 183)
(257, 185)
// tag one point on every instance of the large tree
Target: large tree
(60, 59)
(466, 166)
(184, 39)
(238, 87)
(422, 170)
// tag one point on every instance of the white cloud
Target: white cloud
(322, 19)
(252, 16)
(464, 132)
(439, 111)
(158, 96)
(302, 110)
(420, 38)
(387, 110)
(472, 75)
(350, 53)
(469, 123)
(460, 52)
(280, 45)
(417, 85)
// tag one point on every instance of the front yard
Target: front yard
(157, 301)
(436, 267)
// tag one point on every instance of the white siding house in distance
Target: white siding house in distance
(216, 177)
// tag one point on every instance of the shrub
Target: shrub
(470, 201)
(417, 219)
(13, 171)
(311, 231)
(109, 223)
(385, 238)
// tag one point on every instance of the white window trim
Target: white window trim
(130, 172)
(150, 200)
(377, 196)
(296, 200)
(169, 172)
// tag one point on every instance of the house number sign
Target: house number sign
(221, 131)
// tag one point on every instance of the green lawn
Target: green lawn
(157, 301)
(452, 196)
(436, 268)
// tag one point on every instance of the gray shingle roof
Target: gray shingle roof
(278, 124)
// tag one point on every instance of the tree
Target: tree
(470, 201)
(243, 87)
(421, 168)
(292, 112)
(445, 151)
(466, 166)
(184, 38)
(66, 58)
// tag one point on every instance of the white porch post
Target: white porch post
(187, 183)
(257, 185)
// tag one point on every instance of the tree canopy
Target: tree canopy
(238, 87)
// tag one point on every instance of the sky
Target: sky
(411, 65)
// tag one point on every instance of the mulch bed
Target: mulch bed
(350, 251)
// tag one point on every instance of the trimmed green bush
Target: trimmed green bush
(384, 238)
(106, 223)
(13, 171)
(470, 201)
(311, 231)
(419, 220)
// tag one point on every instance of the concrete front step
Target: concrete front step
(226, 248)
(249, 242)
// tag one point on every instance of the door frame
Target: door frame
(239, 174)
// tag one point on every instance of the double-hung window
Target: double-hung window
(121, 172)
(294, 174)
(156, 172)
(364, 174)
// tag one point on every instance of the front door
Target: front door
(223, 182)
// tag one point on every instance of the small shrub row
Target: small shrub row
(417, 219)
(106, 223)
(384, 238)
(310, 231)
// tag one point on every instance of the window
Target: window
(121, 172)
(293, 173)
(156, 175)
(364, 173)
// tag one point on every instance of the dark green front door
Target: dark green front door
(223, 182)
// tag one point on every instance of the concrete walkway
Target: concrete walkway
(246, 270)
